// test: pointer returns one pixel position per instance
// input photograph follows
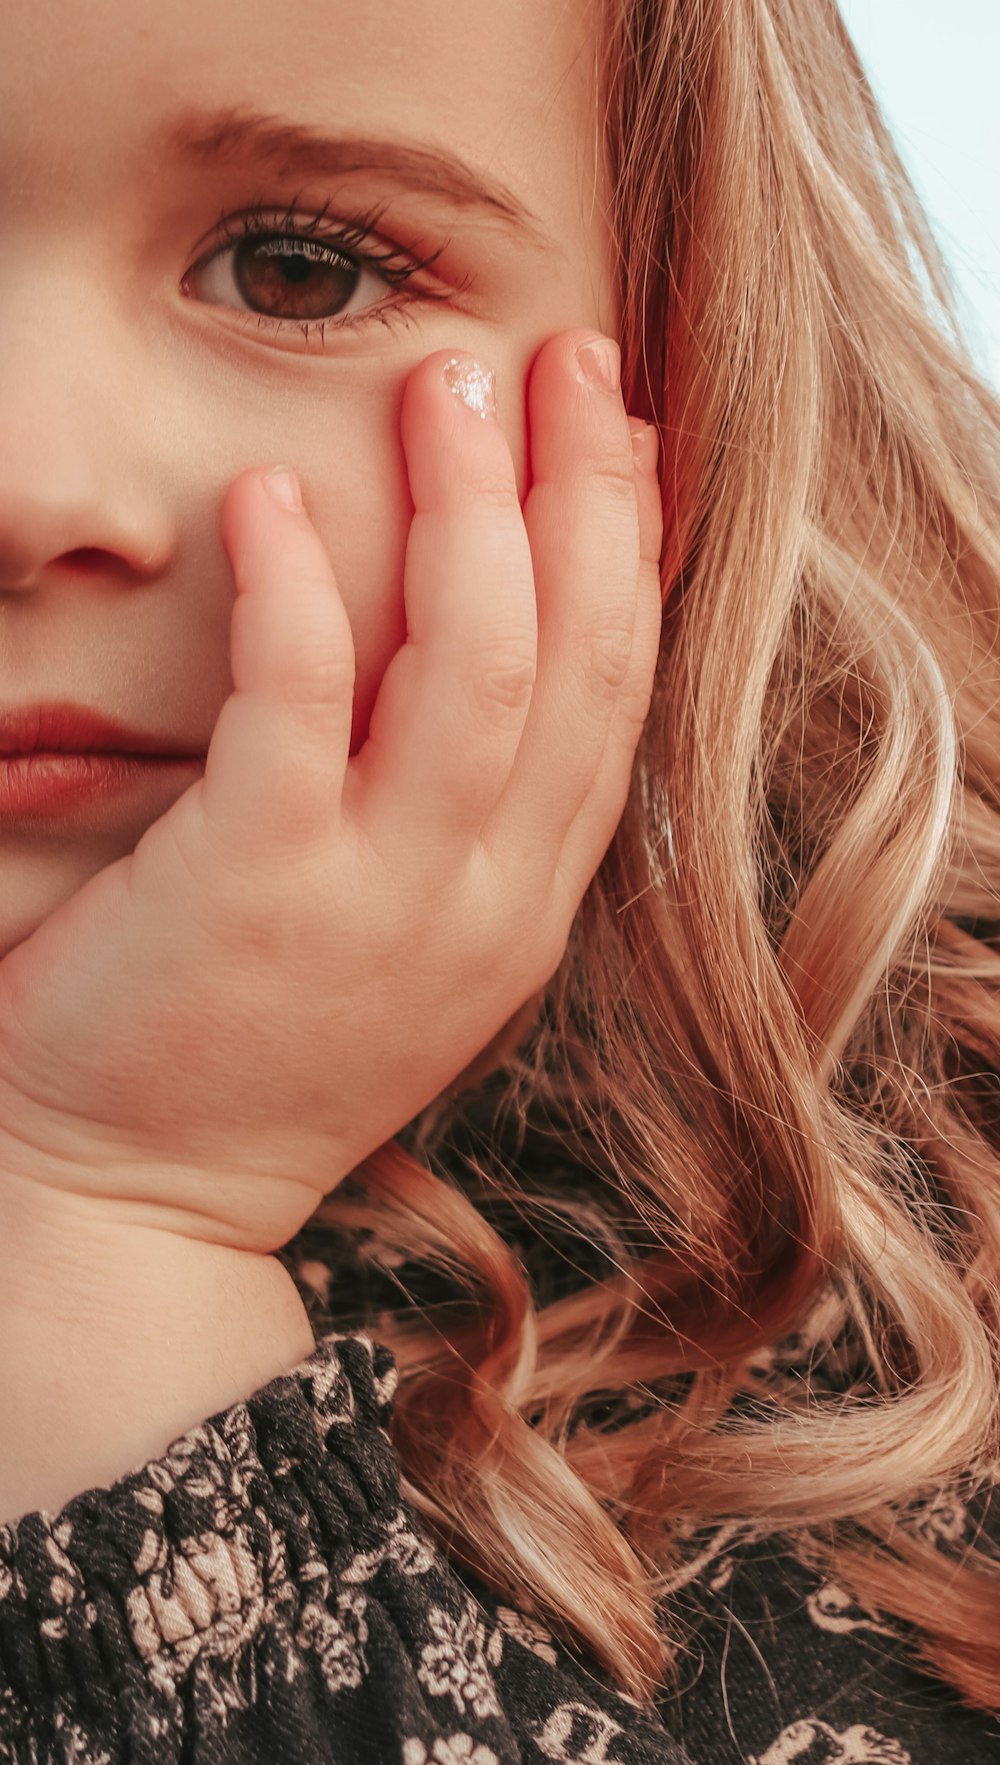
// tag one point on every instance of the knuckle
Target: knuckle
(636, 707)
(497, 490)
(608, 653)
(615, 478)
(315, 677)
(504, 684)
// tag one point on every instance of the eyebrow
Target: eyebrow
(242, 135)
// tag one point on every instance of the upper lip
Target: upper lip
(75, 729)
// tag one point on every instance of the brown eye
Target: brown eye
(286, 278)
(311, 273)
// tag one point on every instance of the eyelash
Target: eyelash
(357, 229)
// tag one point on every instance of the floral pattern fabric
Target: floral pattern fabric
(261, 1595)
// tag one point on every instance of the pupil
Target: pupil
(296, 268)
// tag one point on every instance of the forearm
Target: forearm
(115, 1339)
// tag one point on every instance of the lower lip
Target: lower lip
(36, 784)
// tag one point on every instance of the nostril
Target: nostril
(86, 558)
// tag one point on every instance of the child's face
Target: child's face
(128, 402)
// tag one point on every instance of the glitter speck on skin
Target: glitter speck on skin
(473, 384)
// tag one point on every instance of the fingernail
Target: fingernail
(283, 486)
(601, 361)
(475, 385)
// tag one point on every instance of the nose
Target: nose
(77, 494)
(32, 553)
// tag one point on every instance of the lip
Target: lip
(60, 757)
(76, 729)
(35, 785)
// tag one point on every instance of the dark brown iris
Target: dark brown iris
(307, 280)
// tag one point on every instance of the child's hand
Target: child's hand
(308, 948)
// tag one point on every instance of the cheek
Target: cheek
(378, 621)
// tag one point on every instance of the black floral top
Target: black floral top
(260, 1595)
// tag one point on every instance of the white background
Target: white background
(935, 67)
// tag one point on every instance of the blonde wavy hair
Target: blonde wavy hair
(768, 1067)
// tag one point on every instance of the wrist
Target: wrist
(118, 1338)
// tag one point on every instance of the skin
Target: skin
(194, 1047)
(130, 406)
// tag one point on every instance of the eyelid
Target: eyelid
(302, 219)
